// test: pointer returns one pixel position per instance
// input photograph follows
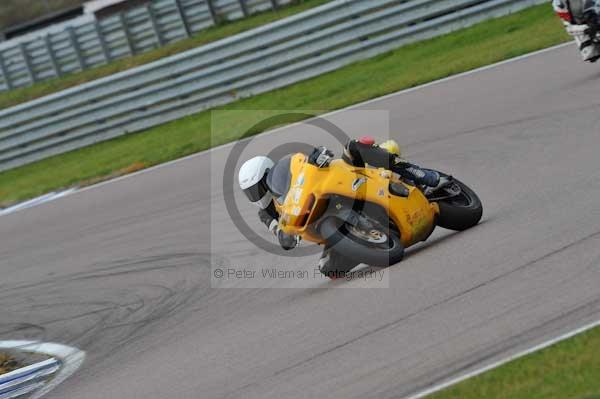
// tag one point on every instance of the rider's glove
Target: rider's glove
(274, 227)
(577, 30)
(320, 157)
(287, 241)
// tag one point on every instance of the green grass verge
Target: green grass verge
(412, 65)
(7, 363)
(567, 370)
(211, 34)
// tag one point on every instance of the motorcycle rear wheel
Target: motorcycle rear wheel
(461, 212)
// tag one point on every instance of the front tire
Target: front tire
(374, 248)
(461, 212)
(335, 265)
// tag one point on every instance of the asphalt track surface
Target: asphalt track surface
(123, 270)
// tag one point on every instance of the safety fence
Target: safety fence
(272, 56)
(90, 42)
(28, 379)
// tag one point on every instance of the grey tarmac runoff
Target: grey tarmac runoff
(123, 270)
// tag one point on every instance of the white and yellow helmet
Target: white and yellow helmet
(392, 147)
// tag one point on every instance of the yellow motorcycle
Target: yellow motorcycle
(369, 215)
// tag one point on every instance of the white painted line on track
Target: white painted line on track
(36, 201)
(361, 104)
(438, 387)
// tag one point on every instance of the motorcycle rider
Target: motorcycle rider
(582, 21)
(258, 176)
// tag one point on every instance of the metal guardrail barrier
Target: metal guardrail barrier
(27, 379)
(272, 56)
(39, 378)
(87, 42)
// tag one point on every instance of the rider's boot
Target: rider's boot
(423, 177)
(589, 50)
(442, 182)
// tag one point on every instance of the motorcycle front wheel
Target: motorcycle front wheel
(376, 247)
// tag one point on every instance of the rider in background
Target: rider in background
(582, 21)
(257, 176)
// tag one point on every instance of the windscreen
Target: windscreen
(280, 177)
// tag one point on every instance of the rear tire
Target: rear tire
(462, 212)
(340, 236)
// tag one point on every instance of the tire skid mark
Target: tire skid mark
(107, 307)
